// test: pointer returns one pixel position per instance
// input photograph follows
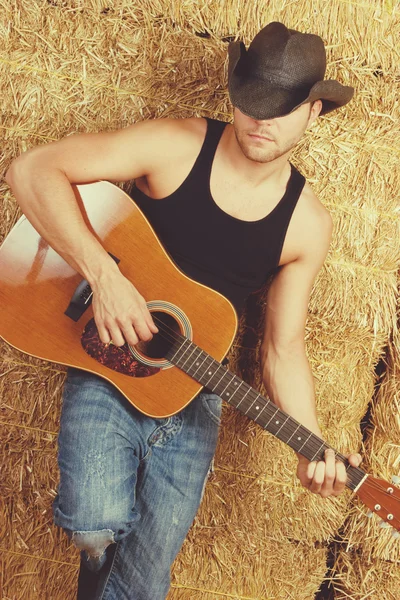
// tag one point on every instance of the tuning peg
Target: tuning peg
(384, 525)
(395, 480)
(396, 534)
(370, 514)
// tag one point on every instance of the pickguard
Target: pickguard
(117, 358)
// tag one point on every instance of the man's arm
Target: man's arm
(41, 182)
(286, 371)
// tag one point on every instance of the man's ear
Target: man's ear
(316, 108)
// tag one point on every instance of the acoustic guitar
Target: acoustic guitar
(45, 311)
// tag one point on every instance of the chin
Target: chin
(260, 156)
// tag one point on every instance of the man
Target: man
(230, 209)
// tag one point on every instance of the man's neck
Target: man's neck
(252, 172)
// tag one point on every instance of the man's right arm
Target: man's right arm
(41, 182)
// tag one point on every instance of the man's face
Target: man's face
(264, 141)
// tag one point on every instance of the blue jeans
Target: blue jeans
(129, 481)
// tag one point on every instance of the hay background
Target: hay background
(367, 564)
(69, 66)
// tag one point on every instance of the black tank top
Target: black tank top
(232, 256)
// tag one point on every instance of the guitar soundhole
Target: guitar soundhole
(158, 347)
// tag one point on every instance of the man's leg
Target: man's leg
(109, 453)
(98, 464)
(171, 481)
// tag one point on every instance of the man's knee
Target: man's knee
(93, 543)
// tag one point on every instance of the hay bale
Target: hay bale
(35, 578)
(368, 562)
(357, 579)
(28, 481)
(341, 358)
(30, 390)
(383, 452)
(236, 555)
(37, 560)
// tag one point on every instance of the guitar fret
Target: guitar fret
(279, 426)
(317, 452)
(265, 406)
(266, 425)
(194, 362)
(180, 347)
(194, 349)
(206, 383)
(289, 428)
(206, 378)
(304, 443)
(238, 388)
(284, 423)
(199, 367)
(295, 431)
(237, 406)
(219, 380)
(252, 404)
(205, 369)
(228, 384)
(215, 385)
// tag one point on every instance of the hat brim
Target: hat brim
(261, 100)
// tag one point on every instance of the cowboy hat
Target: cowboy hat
(281, 70)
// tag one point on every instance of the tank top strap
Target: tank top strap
(206, 156)
(297, 181)
(293, 191)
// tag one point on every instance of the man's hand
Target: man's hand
(120, 312)
(326, 478)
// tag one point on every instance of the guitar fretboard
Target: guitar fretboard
(202, 367)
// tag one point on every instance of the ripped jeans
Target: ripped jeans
(129, 483)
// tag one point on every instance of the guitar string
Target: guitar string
(174, 336)
(379, 487)
(177, 337)
(312, 444)
(354, 475)
(368, 493)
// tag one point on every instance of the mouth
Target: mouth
(260, 137)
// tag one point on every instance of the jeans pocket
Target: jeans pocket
(212, 405)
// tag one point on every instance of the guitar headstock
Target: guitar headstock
(382, 498)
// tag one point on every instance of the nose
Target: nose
(267, 122)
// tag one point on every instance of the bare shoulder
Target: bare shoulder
(187, 126)
(176, 134)
(319, 218)
(310, 230)
(165, 143)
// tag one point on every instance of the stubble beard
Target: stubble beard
(264, 152)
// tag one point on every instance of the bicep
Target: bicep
(289, 294)
(114, 156)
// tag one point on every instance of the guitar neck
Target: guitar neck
(202, 367)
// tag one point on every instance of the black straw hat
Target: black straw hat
(281, 70)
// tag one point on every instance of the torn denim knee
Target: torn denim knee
(92, 545)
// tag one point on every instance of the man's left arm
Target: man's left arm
(286, 371)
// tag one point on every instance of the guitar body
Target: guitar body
(36, 287)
